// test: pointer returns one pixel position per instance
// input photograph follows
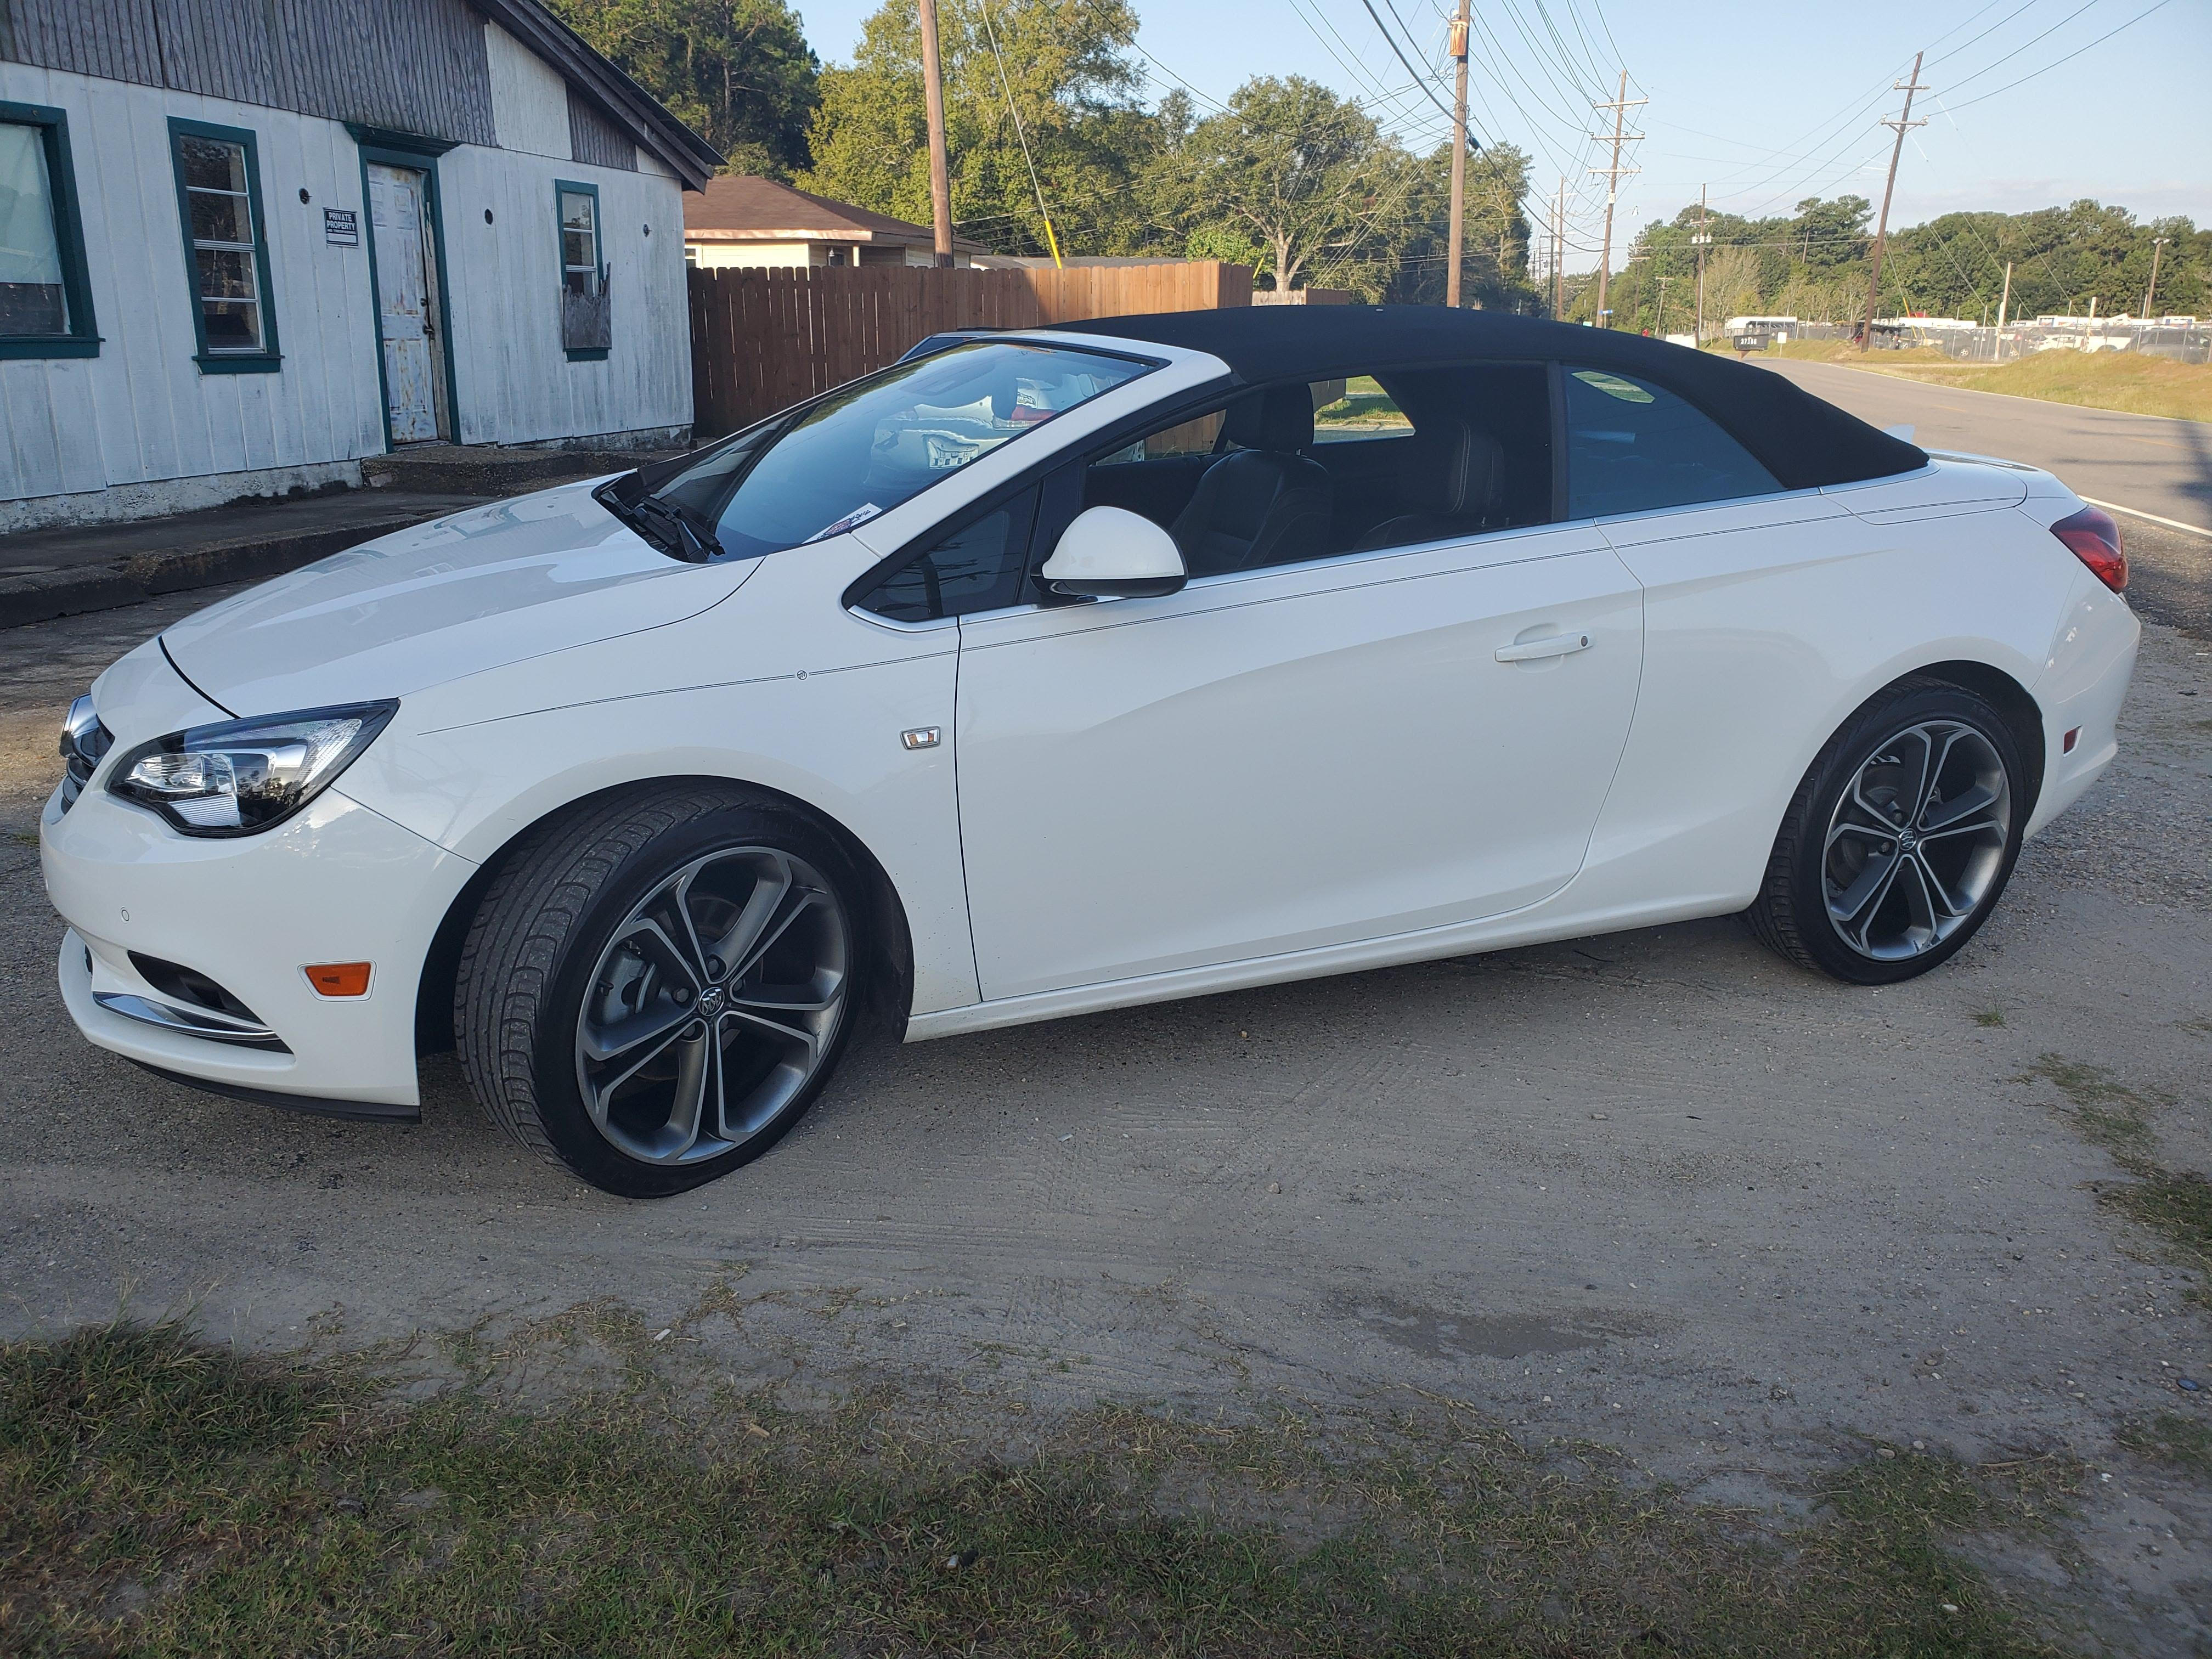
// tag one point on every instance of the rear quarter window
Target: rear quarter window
(1634, 446)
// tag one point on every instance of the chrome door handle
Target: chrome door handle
(1558, 645)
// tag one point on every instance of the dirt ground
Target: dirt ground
(1658, 1188)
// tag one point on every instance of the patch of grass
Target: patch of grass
(2106, 1111)
(162, 1498)
(2095, 379)
(1989, 1017)
(2175, 1205)
(2174, 1438)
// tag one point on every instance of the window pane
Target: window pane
(1355, 408)
(213, 163)
(1194, 437)
(224, 275)
(220, 218)
(871, 446)
(1634, 447)
(976, 569)
(576, 251)
(575, 211)
(233, 324)
(30, 249)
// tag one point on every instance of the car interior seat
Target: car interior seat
(1266, 502)
(1452, 482)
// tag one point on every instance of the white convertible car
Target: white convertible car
(1062, 670)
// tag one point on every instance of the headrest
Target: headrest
(1279, 420)
(1453, 469)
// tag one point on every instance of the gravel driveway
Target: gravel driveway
(1655, 1186)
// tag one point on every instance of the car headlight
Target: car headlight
(239, 777)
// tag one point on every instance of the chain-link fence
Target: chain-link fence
(2183, 339)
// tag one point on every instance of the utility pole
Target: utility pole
(1704, 240)
(932, 102)
(2157, 246)
(1621, 105)
(1903, 124)
(2007, 300)
(1459, 156)
(1560, 252)
(1659, 323)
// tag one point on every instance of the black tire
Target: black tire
(540, 942)
(1793, 915)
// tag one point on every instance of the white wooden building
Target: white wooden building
(246, 243)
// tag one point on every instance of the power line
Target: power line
(2068, 59)
(1407, 61)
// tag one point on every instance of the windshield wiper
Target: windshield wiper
(672, 529)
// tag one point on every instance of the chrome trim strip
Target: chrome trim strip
(189, 1022)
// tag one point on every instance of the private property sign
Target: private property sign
(342, 226)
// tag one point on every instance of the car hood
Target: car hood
(477, 590)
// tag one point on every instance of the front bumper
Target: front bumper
(339, 883)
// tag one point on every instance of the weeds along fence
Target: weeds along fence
(763, 339)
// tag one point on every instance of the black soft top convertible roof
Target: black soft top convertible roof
(1804, 440)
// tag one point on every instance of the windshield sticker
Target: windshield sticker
(859, 515)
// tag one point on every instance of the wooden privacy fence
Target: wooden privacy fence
(762, 339)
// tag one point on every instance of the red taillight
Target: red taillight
(2095, 540)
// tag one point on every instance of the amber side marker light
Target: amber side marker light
(338, 979)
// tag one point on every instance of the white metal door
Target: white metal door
(1288, 760)
(406, 319)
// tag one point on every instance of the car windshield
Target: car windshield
(866, 447)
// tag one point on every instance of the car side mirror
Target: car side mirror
(1111, 553)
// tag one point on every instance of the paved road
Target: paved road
(2140, 461)
(2160, 467)
(1657, 1188)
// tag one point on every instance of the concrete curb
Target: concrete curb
(43, 595)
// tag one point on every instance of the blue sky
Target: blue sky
(1765, 103)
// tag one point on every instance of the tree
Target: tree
(1296, 174)
(1824, 234)
(1066, 74)
(738, 72)
(1494, 240)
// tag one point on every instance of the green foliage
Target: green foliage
(1816, 264)
(1294, 170)
(1304, 187)
(1289, 179)
(1494, 237)
(738, 72)
(1069, 80)
(158, 1498)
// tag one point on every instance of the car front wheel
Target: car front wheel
(1900, 839)
(656, 988)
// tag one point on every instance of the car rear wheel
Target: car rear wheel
(1900, 839)
(655, 989)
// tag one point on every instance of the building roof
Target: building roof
(621, 99)
(1804, 440)
(743, 208)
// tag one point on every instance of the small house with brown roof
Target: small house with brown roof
(740, 220)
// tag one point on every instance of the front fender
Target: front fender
(781, 689)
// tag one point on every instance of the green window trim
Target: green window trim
(576, 187)
(268, 359)
(82, 338)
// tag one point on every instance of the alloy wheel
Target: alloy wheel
(1916, 844)
(712, 1005)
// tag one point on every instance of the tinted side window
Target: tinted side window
(1634, 447)
(978, 567)
(1347, 411)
